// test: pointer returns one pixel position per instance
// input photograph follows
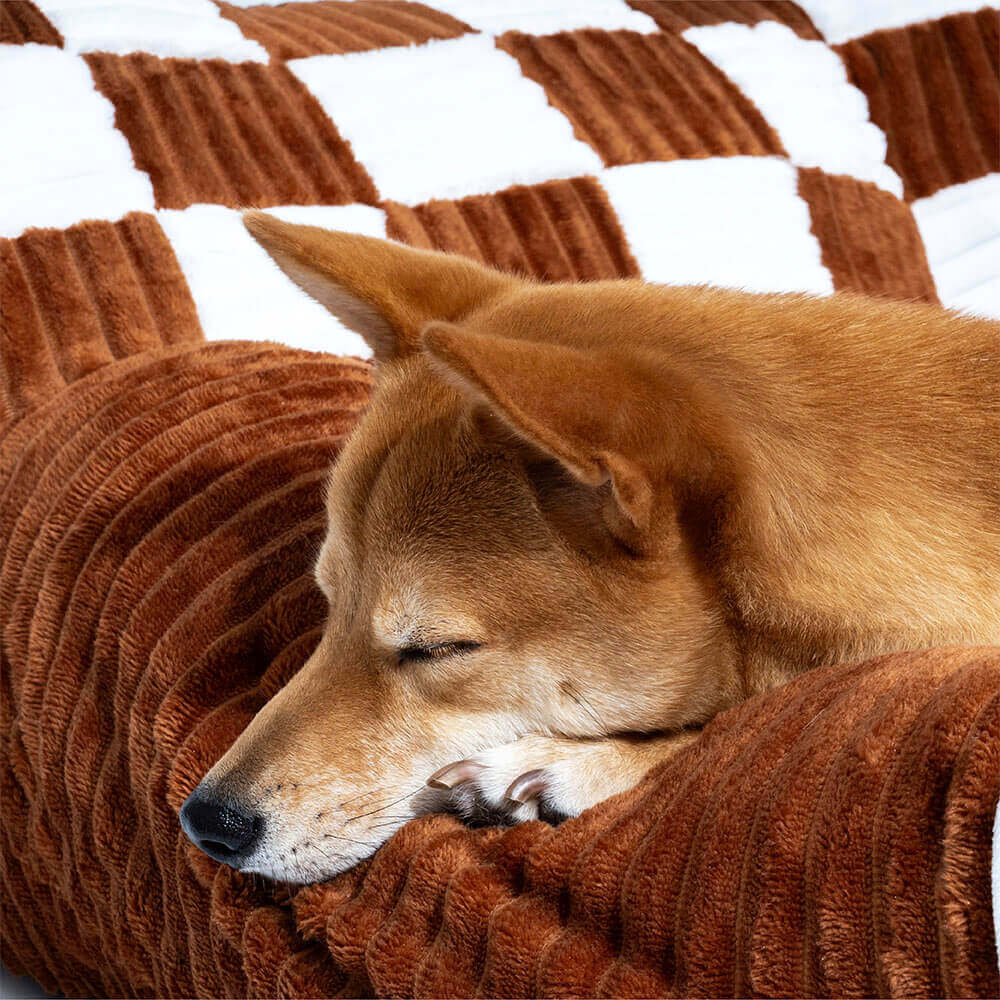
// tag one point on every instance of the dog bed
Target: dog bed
(159, 517)
(161, 493)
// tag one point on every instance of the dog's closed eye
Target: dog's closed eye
(436, 651)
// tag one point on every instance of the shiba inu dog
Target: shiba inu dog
(578, 521)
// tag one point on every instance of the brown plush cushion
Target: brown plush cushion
(157, 524)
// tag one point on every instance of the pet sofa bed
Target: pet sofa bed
(160, 492)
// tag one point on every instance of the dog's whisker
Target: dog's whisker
(328, 857)
(388, 805)
(585, 704)
(354, 798)
(579, 698)
(349, 840)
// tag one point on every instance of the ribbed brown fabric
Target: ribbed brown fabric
(934, 89)
(157, 524)
(678, 15)
(233, 134)
(868, 237)
(22, 22)
(298, 30)
(636, 97)
(557, 231)
(172, 502)
(76, 299)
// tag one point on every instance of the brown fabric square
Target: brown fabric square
(677, 15)
(559, 231)
(636, 97)
(79, 298)
(22, 22)
(296, 30)
(868, 238)
(237, 134)
(933, 88)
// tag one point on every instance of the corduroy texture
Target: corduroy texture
(159, 517)
(636, 97)
(209, 131)
(868, 238)
(22, 22)
(680, 14)
(76, 299)
(934, 89)
(299, 30)
(231, 134)
(557, 231)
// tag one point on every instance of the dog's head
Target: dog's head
(511, 549)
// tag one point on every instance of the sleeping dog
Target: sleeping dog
(577, 521)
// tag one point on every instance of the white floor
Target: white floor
(18, 988)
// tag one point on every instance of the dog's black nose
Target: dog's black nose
(222, 828)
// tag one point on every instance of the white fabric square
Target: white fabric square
(184, 29)
(734, 221)
(960, 227)
(445, 119)
(839, 20)
(538, 17)
(241, 294)
(270, 3)
(801, 88)
(64, 160)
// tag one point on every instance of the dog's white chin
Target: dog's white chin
(315, 863)
(303, 872)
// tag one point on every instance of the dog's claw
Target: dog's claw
(475, 793)
(527, 786)
(455, 774)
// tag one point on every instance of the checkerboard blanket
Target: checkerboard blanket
(161, 494)
(766, 145)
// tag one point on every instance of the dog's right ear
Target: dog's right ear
(384, 291)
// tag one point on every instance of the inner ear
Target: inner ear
(579, 408)
(589, 518)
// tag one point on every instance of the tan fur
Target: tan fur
(647, 503)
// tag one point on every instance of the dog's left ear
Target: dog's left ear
(382, 290)
(583, 409)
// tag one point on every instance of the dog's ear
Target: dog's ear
(589, 411)
(384, 291)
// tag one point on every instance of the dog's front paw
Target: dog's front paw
(536, 777)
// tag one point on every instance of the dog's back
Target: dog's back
(867, 437)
